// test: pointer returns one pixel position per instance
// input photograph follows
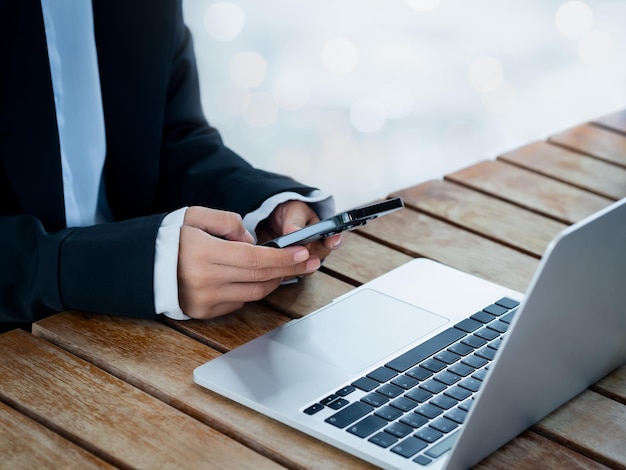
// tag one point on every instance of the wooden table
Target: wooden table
(87, 391)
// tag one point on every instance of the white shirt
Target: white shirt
(80, 121)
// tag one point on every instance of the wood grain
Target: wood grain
(492, 218)
(546, 196)
(105, 415)
(160, 361)
(26, 444)
(599, 142)
(418, 234)
(360, 259)
(590, 174)
(593, 424)
(615, 121)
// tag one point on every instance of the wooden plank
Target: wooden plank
(548, 197)
(229, 331)
(159, 360)
(571, 167)
(360, 260)
(26, 444)
(492, 218)
(594, 425)
(531, 451)
(613, 385)
(614, 121)
(418, 234)
(309, 294)
(596, 141)
(111, 419)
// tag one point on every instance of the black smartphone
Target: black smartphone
(348, 220)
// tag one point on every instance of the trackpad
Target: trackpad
(359, 330)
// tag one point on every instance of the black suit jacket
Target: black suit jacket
(161, 155)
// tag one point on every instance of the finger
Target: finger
(228, 225)
(257, 257)
(297, 215)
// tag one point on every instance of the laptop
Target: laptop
(429, 367)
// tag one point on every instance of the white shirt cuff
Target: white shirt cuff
(166, 266)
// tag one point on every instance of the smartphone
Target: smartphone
(348, 220)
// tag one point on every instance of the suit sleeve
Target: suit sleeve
(197, 168)
(98, 269)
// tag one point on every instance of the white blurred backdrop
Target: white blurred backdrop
(363, 97)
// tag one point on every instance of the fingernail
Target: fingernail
(337, 243)
(300, 256)
(312, 264)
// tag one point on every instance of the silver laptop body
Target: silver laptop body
(568, 332)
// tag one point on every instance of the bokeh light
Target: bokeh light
(367, 115)
(574, 19)
(248, 69)
(340, 56)
(486, 74)
(259, 109)
(224, 21)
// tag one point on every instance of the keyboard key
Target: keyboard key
(311, 410)
(426, 349)
(367, 426)
(328, 399)
(461, 349)
(447, 378)
(399, 429)
(419, 395)
(404, 404)
(475, 361)
(507, 302)
(347, 390)
(483, 317)
(382, 374)
(487, 334)
(443, 401)
(422, 460)
(433, 365)
(444, 425)
(338, 403)
(458, 393)
(414, 420)
(457, 415)
(389, 413)
(447, 357)
(366, 384)
(383, 439)
(409, 447)
(499, 326)
(467, 404)
(486, 353)
(442, 447)
(432, 386)
(375, 399)
(390, 390)
(496, 310)
(405, 382)
(461, 369)
(428, 410)
(508, 317)
(474, 341)
(349, 414)
(428, 434)
(480, 374)
(470, 384)
(495, 344)
(468, 325)
(419, 373)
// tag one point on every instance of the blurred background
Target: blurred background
(363, 97)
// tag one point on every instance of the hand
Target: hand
(291, 216)
(219, 269)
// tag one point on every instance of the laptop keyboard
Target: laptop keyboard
(413, 405)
